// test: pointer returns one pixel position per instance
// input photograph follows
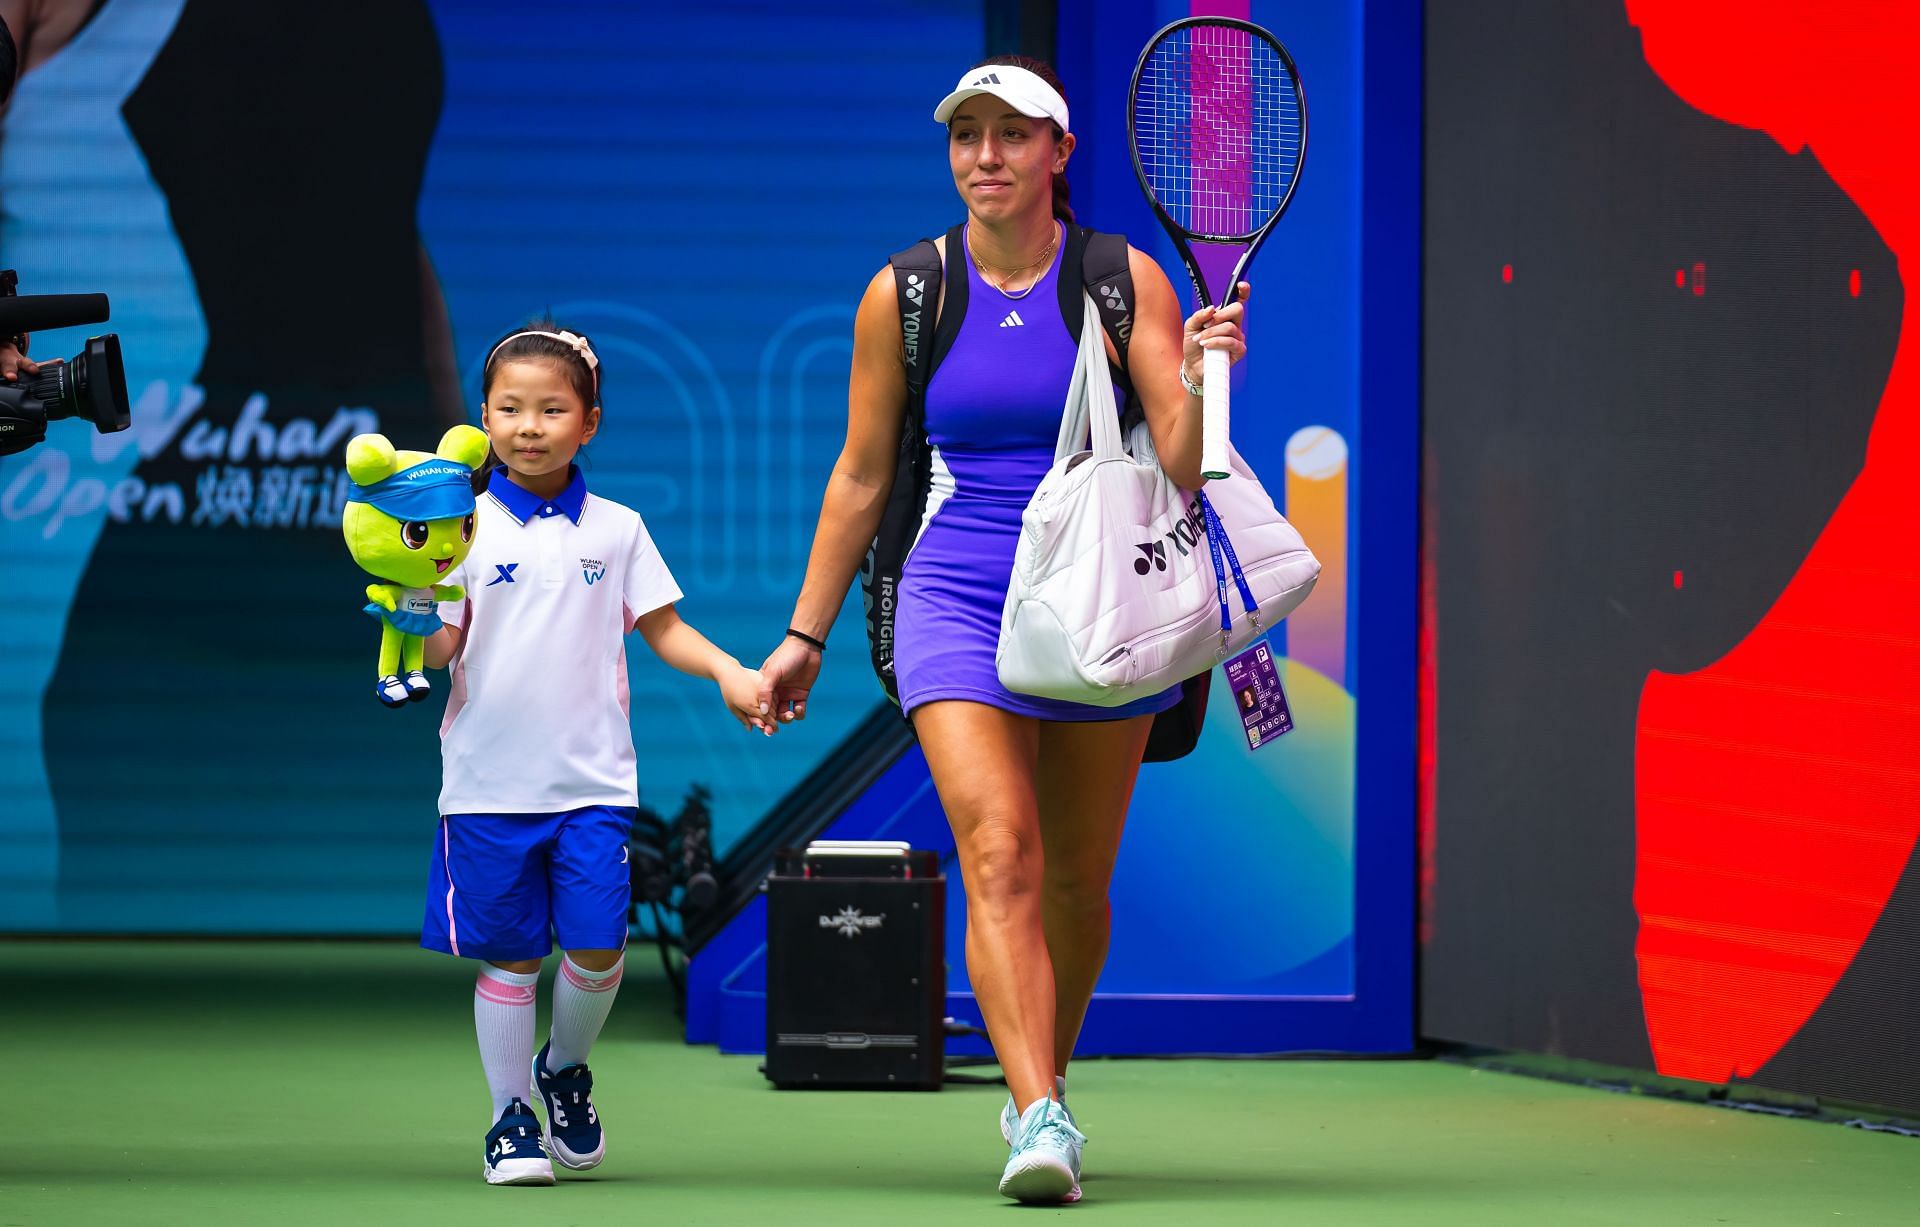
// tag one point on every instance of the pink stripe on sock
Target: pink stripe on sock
(446, 853)
(586, 985)
(502, 994)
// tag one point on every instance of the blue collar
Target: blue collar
(523, 505)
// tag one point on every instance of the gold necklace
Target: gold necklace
(1002, 285)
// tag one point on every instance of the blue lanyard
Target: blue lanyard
(1217, 540)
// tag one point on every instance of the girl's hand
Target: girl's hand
(741, 688)
(1214, 328)
(788, 675)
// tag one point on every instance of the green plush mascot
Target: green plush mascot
(409, 520)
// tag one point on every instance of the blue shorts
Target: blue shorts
(505, 887)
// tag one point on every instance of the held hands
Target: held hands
(449, 592)
(787, 676)
(740, 689)
(1214, 328)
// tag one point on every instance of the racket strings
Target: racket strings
(1217, 126)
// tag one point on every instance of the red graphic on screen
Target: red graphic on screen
(1778, 789)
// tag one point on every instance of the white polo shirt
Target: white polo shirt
(537, 721)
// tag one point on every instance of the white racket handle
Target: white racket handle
(1213, 414)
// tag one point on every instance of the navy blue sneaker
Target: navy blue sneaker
(573, 1126)
(516, 1151)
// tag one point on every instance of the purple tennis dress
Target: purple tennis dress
(993, 415)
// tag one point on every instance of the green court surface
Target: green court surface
(291, 1083)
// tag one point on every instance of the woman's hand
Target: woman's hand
(787, 676)
(740, 688)
(1214, 328)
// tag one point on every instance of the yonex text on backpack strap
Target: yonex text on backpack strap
(1097, 263)
(916, 280)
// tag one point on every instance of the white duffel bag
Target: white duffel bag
(1116, 594)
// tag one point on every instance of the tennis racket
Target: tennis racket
(1218, 124)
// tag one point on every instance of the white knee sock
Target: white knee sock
(581, 999)
(503, 1020)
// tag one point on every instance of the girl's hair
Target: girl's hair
(1040, 68)
(585, 380)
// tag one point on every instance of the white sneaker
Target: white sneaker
(1010, 1122)
(1045, 1153)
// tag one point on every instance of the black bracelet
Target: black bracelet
(807, 639)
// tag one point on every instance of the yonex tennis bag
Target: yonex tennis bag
(1121, 579)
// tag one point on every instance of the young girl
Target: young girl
(538, 790)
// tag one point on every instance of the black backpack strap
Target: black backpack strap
(916, 283)
(1097, 264)
(1108, 276)
(953, 309)
(927, 332)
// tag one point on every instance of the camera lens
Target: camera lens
(92, 386)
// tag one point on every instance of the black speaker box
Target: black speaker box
(856, 969)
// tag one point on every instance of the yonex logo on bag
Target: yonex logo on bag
(1013, 320)
(1110, 296)
(849, 921)
(1187, 533)
(506, 570)
(910, 320)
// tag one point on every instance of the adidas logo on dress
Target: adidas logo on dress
(1013, 320)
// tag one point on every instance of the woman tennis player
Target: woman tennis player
(1036, 790)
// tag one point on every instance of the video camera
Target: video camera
(91, 385)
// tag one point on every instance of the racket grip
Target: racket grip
(1213, 415)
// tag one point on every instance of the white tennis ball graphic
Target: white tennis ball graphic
(1316, 453)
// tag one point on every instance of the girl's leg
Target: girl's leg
(1084, 782)
(589, 884)
(583, 993)
(982, 760)
(503, 1020)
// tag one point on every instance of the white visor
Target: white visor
(1024, 91)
